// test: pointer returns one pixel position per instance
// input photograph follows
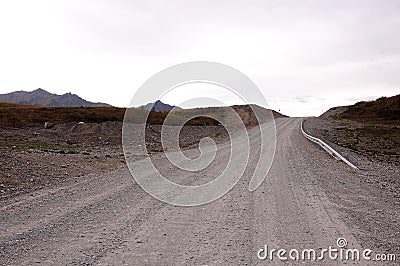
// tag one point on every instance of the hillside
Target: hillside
(370, 128)
(21, 116)
(41, 97)
(382, 110)
(245, 112)
(14, 115)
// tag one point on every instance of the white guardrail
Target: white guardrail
(325, 146)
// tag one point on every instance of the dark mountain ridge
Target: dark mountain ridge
(41, 97)
(159, 106)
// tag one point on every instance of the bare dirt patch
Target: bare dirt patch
(35, 157)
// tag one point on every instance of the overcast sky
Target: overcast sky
(305, 56)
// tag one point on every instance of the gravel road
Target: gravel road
(108, 219)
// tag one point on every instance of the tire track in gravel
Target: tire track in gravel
(58, 220)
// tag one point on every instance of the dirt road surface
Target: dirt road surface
(307, 201)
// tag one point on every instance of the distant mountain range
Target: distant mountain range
(159, 106)
(44, 98)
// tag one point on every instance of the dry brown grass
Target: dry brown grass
(22, 116)
(382, 110)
